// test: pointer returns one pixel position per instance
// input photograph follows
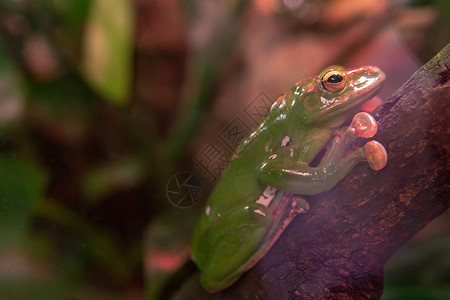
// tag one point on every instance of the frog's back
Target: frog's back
(238, 185)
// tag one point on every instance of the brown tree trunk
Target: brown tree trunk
(337, 250)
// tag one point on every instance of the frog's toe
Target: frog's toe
(364, 125)
(375, 154)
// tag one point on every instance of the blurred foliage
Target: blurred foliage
(55, 174)
(83, 169)
(21, 186)
(108, 48)
(84, 160)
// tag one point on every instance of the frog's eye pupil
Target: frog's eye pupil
(335, 78)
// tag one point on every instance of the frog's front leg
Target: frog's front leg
(283, 171)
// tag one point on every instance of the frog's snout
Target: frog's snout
(372, 74)
(376, 72)
(366, 80)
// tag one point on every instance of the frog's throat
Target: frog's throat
(353, 104)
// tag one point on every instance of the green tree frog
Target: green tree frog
(246, 211)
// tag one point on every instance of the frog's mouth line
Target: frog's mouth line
(367, 97)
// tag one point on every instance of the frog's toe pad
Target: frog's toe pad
(376, 155)
(364, 125)
(299, 205)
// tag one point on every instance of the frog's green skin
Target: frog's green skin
(247, 212)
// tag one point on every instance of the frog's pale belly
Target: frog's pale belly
(267, 196)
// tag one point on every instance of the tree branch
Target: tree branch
(337, 250)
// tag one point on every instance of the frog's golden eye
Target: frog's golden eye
(333, 81)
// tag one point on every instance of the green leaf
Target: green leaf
(109, 178)
(21, 185)
(11, 96)
(108, 45)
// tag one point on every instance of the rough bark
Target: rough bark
(337, 250)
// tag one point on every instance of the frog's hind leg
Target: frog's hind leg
(224, 250)
(288, 206)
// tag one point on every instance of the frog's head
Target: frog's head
(337, 93)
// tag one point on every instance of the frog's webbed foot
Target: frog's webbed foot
(362, 125)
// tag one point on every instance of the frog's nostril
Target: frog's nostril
(376, 73)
